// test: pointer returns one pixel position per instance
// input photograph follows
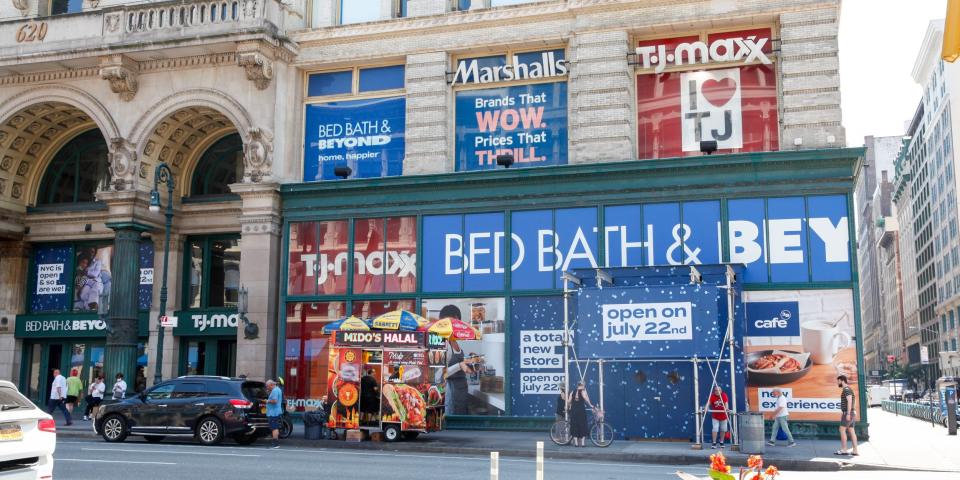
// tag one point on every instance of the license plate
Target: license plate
(10, 432)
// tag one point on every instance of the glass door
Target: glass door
(227, 357)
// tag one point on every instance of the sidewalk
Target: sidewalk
(896, 443)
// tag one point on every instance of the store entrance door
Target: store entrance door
(42, 358)
(208, 356)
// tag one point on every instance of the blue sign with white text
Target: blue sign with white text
(526, 121)
(641, 322)
(773, 319)
(788, 239)
(365, 135)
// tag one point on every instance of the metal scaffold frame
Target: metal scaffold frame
(572, 283)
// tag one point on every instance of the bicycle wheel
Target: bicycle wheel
(601, 434)
(560, 432)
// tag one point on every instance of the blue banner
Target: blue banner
(52, 271)
(642, 322)
(527, 121)
(773, 319)
(366, 135)
(783, 240)
(536, 355)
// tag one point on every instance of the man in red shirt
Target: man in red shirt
(718, 407)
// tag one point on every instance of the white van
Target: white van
(877, 394)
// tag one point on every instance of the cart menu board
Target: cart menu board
(346, 389)
(405, 366)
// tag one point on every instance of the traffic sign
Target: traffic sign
(168, 322)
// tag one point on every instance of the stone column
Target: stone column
(260, 262)
(428, 147)
(602, 98)
(810, 79)
(420, 8)
(14, 265)
(120, 355)
(171, 349)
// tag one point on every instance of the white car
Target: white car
(28, 437)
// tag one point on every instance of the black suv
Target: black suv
(207, 408)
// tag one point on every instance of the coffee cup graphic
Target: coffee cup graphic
(823, 339)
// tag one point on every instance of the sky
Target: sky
(879, 42)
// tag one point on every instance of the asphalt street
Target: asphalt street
(95, 460)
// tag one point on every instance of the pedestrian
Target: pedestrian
(119, 388)
(719, 406)
(780, 415)
(578, 415)
(562, 403)
(848, 417)
(95, 397)
(74, 390)
(274, 410)
(58, 394)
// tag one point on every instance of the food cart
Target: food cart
(388, 381)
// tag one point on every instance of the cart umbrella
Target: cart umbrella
(399, 320)
(351, 324)
(453, 329)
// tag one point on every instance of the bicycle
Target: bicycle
(601, 433)
(560, 432)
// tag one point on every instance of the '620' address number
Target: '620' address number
(32, 32)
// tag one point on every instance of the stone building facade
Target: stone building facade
(167, 81)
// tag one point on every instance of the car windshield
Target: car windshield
(11, 399)
(255, 390)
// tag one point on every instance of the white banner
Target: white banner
(647, 321)
(710, 108)
(768, 402)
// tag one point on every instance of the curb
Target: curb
(789, 464)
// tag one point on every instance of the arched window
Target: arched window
(77, 172)
(220, 165)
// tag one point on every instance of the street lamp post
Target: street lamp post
(162, 174)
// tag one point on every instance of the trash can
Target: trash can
(751, 433)
(313, 426)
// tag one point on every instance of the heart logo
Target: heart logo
(719, 92)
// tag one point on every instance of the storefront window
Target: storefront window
(525, 122)
(384, 255)
(72, 277)
(59, 7)
(220, 166)
(355, 118)
(77, 172)
(306, 352)
(373, 309)
(358, 11)
(213, 268)
(480, 391)
(685, 102)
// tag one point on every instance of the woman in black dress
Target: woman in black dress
(578, 414)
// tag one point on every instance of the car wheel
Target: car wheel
(210, 431)
(245, 439)
(153, 438)
(114, 429)
(391, 433)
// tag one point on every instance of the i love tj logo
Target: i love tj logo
(710, 108)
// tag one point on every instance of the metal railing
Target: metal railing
(152, 17)
(915, 410)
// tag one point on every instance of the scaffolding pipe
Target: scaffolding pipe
(733, 368)
(696, 399)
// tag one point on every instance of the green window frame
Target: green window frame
(205, 245)
(69, 161)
